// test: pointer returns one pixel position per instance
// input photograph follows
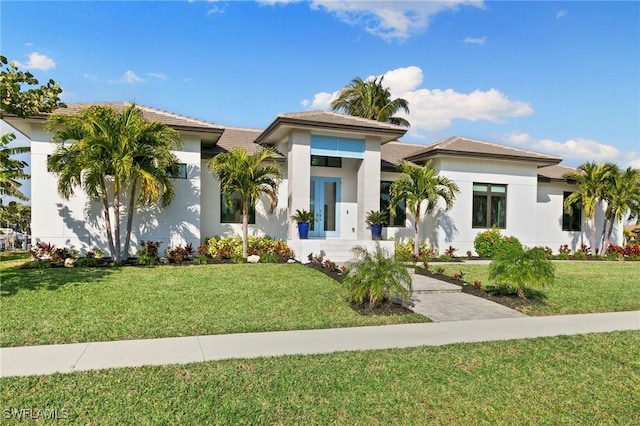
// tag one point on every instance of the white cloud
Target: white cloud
(129, 77)
(435, 109)
(90, 77)
(561, 14)
(477, 40)
(37, 61)
(575, 150)
(158, 75)
(389, 20)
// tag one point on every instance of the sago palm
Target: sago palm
(418, 185)
(370, 99)
(111, 154)
(247, 177)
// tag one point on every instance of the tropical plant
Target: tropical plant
(490, 242)
(112, 154)
(376, 218)
(11, 170)
(418, 185)
(622, 195)
(15, 216)
(21, 102)
(247, 176)
(376, 277)
(303, 216)
(517, 268)
(369, 99)
(592, 180)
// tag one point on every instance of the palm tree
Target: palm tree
(417, 185)
(516, 267)
(592, 181)
(623, 199)
(247, 177)
(11, 170)
(369, 99)
(114, 153)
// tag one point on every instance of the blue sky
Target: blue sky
(555, 77)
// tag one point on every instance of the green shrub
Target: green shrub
(404, 251)
(488, 243)
(228, 248)
(375, 277)
(579, 255)
(548, 252)
(516, 267)
(87, 262)
(268, 258)
(200, 259)
(562, 256)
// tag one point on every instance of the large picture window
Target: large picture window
(233, 212)
(180, 171)
(489, 205)
(572, 220)
(324, 161)
(400, 217)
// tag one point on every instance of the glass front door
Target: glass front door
(324, 198)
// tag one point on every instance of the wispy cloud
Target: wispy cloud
(158, 75)
(37, 61)
(576, 150)
(475, 40)
(129, 77)
(436, 109)
(561, 14)
(388, 20)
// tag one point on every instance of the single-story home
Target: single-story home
(338, 166)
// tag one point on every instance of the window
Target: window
(401, 209)
(324, 161)
(572, 220)
(233, 212)
(180, 172)
(489, 206)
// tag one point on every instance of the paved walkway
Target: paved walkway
(38, 360)
(442, 301)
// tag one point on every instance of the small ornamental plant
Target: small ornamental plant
(516, 267)
(490, 242)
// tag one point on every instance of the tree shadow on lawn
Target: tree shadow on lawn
(16, 279)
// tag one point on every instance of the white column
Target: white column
(368, 185)
(299, 175)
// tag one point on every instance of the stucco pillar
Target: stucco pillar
(368, 185)
(299, 175)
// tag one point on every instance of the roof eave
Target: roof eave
(540, 162)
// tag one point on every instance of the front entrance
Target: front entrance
(324, 195)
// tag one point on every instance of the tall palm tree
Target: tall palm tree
(369, 99)
(11, 170)
(592, 180)
(247, 176)
(623, 200)
(417, 185)
(114, 153)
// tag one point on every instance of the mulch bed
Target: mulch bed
(506, 297)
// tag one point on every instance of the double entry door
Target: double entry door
(324, 197)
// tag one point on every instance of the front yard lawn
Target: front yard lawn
(588, 379)
(580, 286)
(61, 305)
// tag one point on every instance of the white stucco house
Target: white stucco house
(338, 166)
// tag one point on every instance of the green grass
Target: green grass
(580, 287)
(588, 379)
(61, 305)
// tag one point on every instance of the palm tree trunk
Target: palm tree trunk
(107, 217)
(416, 241)
(245, 229)
(521, 292)
(127, 237)
(116, 227)
(592, 224)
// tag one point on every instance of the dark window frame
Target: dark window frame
(571, 221)
(489, 195)
(326, 161)
(400, 219)
(225, 214)
(181, 171)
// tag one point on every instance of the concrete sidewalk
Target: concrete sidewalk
(38, 360)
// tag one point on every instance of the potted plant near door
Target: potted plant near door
(376, 220)
(304, 219)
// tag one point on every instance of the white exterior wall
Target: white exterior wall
(368, 185)
(299, 173)
(78, 223)
(273, 225)
(550, 209)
